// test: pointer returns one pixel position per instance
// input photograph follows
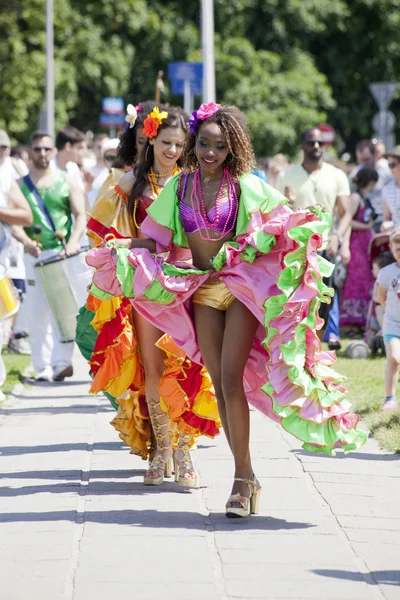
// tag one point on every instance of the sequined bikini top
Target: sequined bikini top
(192, 219)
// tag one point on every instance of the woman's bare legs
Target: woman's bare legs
(240, 328)
(225, 340)
(392, 366)
(210, 328)
(153, 364)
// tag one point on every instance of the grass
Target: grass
(365, 384)
(15, 365)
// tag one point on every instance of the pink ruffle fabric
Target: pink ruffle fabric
(253, 283)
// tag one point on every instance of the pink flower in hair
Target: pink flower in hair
(204, 112)
(207, 110)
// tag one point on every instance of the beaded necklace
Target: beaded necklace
(155, 187)
(199, 207)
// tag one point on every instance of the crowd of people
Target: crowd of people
(215, 278)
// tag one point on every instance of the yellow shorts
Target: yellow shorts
(215, 294)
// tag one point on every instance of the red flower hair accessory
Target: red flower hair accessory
(153, 121)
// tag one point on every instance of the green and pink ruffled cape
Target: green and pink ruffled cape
(272, 267)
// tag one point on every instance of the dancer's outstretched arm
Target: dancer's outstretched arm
(135, 243)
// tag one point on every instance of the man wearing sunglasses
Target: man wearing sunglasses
(312, 182)
(391, 192)
(55, 198)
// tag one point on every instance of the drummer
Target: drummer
(14, 210)
(54, 199)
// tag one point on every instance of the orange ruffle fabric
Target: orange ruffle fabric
(186, 390)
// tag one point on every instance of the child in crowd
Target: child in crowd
(389, 296)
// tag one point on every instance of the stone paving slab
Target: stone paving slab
(76, 522)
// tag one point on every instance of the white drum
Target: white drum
(65, 280)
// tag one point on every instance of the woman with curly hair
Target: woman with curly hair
(247, 305)
(147, 377)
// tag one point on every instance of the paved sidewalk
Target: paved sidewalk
(76, 522)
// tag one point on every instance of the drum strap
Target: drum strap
(33, 189)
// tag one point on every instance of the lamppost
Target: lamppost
(207, 39)
(50, 67)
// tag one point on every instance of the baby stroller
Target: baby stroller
(379, 248)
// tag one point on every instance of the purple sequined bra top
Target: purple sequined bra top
(221, 218)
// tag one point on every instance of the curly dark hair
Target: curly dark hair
(232, 123)
(176, 118)
(127, 153)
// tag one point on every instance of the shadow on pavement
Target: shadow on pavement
(153, 519)
(357, 455)
(59, 410)
(253, 523)
(71, 474)
(383, 577)
(18, 450)
(104, 488)
(33, 382)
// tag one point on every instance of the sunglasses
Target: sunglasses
(110, 157)
(3, 147)
(41, 148)
(312, 143)
(393, 165)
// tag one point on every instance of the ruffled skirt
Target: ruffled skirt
(107, 339)
(274, 270)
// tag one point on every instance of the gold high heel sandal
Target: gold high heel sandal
(248, 505)
(185, 475)
(160, 466)
(169, 465)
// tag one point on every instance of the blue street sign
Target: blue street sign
(107, 120)
(178, 72)
(113, 106)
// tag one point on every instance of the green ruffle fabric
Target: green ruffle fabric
(323, 388)
(325, 435)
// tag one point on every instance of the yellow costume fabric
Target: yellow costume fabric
(215, 294)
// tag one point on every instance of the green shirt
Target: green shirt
(56, 200)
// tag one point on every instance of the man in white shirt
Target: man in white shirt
(317, 182)
(15, 168)
(14, 210)
(391, 192)
(71, 146)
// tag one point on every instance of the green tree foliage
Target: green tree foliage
(286, 64)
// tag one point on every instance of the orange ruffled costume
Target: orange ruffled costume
(106, 337)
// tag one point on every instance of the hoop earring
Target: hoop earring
(145, 154)
(229, 162)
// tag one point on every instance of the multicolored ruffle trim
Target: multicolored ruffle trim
(107, 339)
(275, 270)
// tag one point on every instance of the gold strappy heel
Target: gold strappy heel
(161, 465)
(248, 505)
(169, 465)
(185, 474)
